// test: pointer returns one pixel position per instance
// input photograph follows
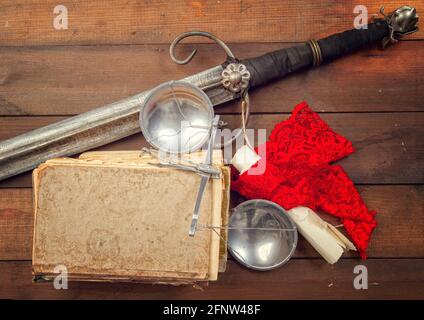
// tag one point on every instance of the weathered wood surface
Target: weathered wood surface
(399, 233)
(373, 97)
(299, 279)
(135, 22)
(70, 80)
(388, 145)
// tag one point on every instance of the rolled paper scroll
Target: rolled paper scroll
(325, 238)
(244, 159)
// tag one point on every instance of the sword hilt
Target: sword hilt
(280, 63)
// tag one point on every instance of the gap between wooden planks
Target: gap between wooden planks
(399, 233)
(135, 22)
(299, 279)
(389, 148)
(68, 80)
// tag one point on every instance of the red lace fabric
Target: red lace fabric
(298, 173)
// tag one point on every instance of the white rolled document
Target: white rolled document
(325, 238)
(244, 158)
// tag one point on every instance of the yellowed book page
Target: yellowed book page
(218, 250)
(119, 221)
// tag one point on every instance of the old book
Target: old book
(118, 217)
(133, 156)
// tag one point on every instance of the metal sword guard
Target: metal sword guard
(235, 77)
(401, 22)
(193, 53)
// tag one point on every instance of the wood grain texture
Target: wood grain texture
(16, 224)
(399, 233)
(389, 148)
(375, 98)
(135, 22)
(299, 279)
(70, 80)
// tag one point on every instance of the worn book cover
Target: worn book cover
(117, 216)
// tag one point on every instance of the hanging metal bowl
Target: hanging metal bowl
(261, 235)
(177, 117)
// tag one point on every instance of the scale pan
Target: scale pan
(177, 117)
(255, 247)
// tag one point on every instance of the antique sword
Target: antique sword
(221, 83)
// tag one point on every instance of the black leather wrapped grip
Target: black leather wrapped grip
(278, 64)
(282, 62)
(343, 43)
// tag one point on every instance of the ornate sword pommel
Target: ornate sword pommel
(401, 22)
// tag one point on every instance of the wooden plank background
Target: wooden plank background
(140, 22)
(114, 49)
(66, 80)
